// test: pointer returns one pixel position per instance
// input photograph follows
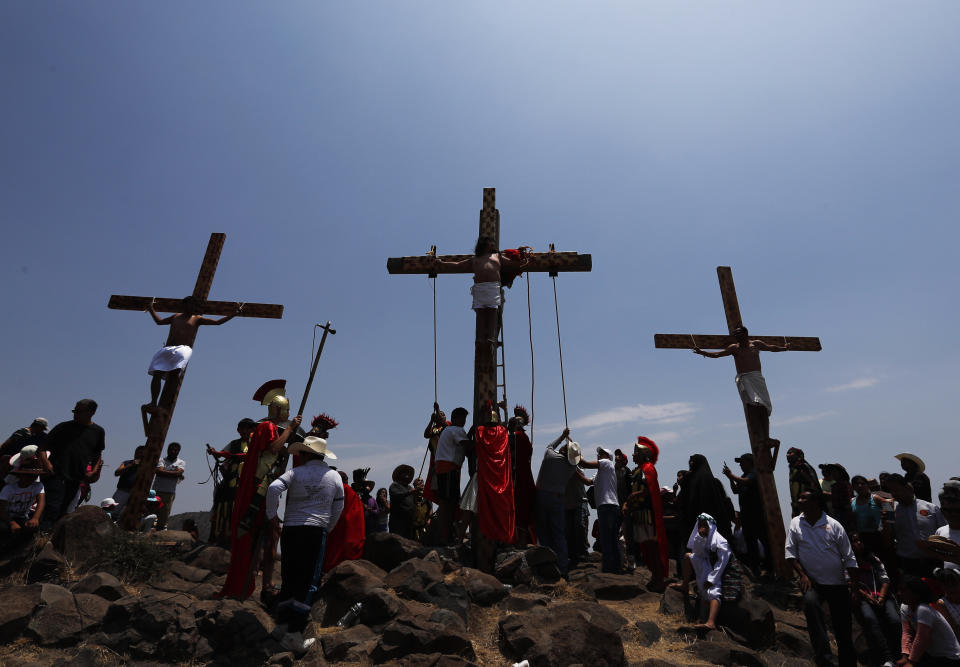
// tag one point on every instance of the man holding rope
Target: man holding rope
(451, 450)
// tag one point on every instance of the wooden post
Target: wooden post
(764, 462)
(158, 424)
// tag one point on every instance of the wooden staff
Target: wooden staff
(313, 371)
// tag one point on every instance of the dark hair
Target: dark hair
(458, 411)
(896, 478)
(921, 588)
(853, 480)
(246, 422)
(740, 329)
(481, 242)
(947, 576)
(86, 404)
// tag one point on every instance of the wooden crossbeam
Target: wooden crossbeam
(165, 305)
(718, 342)
(540, 262)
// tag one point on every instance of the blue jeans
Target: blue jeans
(550, 526)
(882, 627)
(608, 517)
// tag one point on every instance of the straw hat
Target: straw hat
(312, 445)
(921, 466)
(573, 453)
(403, 472)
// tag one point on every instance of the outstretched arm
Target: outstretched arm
(725, 352)
(462, 264)
(157, 318)
(767, 347)
(207, 321)
(583, 478)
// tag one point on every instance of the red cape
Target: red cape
(653, 488)
(525, 487)
(345, 541)
(240, 582)
(495, 510)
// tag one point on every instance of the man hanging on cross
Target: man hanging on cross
(750, 382)
(174, 356)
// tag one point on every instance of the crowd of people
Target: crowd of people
(879, 551)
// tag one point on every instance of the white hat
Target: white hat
(573, 453)
(108, 503)
(42, 421)
(28, 452)
(312, 445)
(606, 451)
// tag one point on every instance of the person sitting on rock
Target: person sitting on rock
(22, 503)
(707, 561)
(928, 638)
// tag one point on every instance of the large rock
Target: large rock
(102, 584)
(18, 603)
(725, 653)
(346, 584)
(606, 586)
(752, 620)
(378, 607)
(215, 559)
(675, 603)
(564, 634)
(56, 624)
(188, 572)
(421, 580)
(414, 634)
(482, 589)
(92, 609)
(648, 633)
(80, 535)
(338, 645)
(48, 565)
(387, 550)
(525, 566)
(793, 642)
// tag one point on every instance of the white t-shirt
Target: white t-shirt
(950, 534)
(449, 447)
(163, 484)
(314, 495)
(20, 499)
(605, 484)
(943, 643)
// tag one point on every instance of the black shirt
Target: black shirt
(20, 439)
(73, 446)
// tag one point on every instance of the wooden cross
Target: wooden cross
(156, 428)
(485, 370)
(761, 452)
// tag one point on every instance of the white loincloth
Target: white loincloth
(753, 390)
(486, 295)
(468, 501)
(170, 358)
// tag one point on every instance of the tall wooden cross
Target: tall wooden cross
(758, 444)
(485, 369)
(156, 428)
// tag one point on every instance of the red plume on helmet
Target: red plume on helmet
(324, 421)
(651, 445)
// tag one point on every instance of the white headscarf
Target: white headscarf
(708, 574)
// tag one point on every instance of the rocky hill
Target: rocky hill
(92, 595)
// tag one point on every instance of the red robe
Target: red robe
(495, 511)
(524, 486)
(241, 580)
(345, 541)
(653, 488)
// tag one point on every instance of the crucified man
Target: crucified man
(750, 382)
(173, 357)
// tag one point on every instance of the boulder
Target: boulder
(793, 642)
(482, 589)
(648, 633)
(535, 564)
(432, 660)
(178, 540)
(750, 619)
(56, 624)
(517, 603)
(564, 634)
(172, 584)
(337, 645)
(17, 604)
(675, 603)
(80, 535)
(103, 584)
(387, 550)
(92, 609)
(447, 619)
(187, 572)
(725, 652)
(606, 586)
(153, 614)
(214, 559)
(346, 584)
(47, 565)
(410, 634)
(379, 607)
(422, 580)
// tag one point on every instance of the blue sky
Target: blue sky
(812, 147)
